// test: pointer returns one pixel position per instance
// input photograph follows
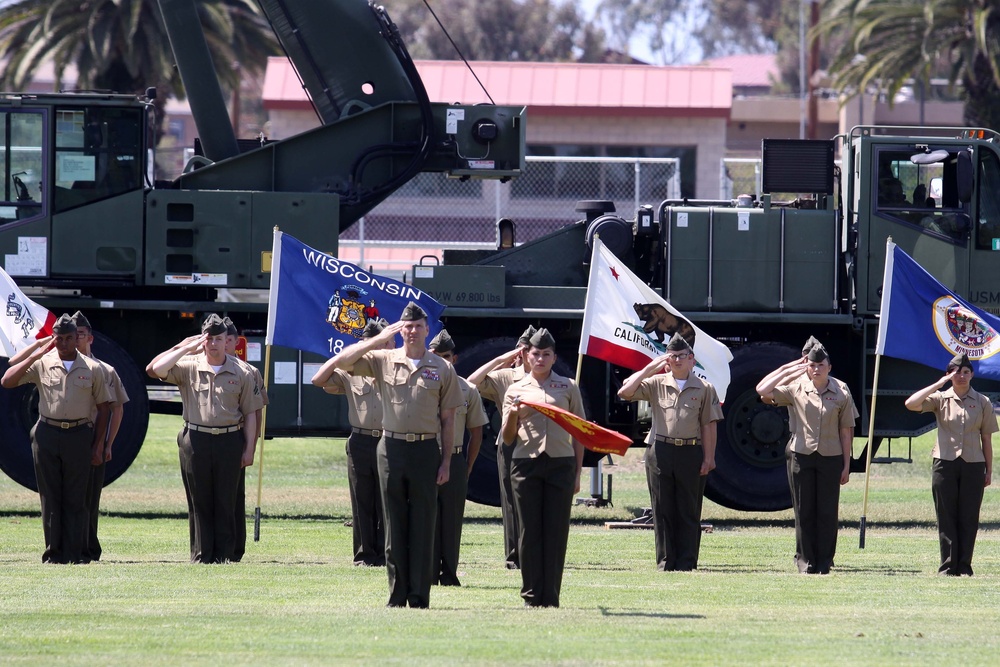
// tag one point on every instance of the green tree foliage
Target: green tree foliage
(506, 30)
(122, 46)
(887, 42)
(684, 31)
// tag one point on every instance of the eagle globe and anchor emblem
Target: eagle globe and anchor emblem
(962, 331)
(347, 311)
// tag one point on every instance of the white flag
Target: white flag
(22, 320)
(627, 323)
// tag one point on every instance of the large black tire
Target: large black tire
(19, 412)
(750, 473)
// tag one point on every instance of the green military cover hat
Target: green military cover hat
(817, 353)
(373, 328)
(810, 344)
(542, 339)
(413, 312)
(64, 325)
(677, 343)
(80, 320)
(231, 329)
(960, 361)
(525, 338)
(213, 325)
(443, 342)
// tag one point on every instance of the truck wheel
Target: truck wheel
(750, 473)
(19, 412)
(135, 419)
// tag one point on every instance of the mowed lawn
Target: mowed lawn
(297, 599)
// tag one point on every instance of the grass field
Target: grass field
(296, 598)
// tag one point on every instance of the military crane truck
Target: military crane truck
(762, 275)
(83, 226)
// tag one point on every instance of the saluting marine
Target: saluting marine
(451, 495)
(420, 394)
(67, 437)
(685, 412)
(219, 404)
(492, 379)
(364, 411)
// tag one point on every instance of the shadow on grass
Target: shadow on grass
(646, 614)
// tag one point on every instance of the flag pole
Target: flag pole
(869, 448)
(260, 468)
(271, 313)
(879, 349)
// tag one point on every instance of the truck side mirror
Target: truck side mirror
(964, 177)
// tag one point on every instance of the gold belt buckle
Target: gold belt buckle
(64, 425)
(215, 430)
(411, 437)
(376, 433)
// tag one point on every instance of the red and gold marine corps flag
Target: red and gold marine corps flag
(590, 435)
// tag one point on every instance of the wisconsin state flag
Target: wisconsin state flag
(628, 324)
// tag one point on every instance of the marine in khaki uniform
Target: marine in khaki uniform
(492, 380)
(219, 404)
(963, 460)
(451, 495)
(822, 414)
(685, 412)
(119, 397)
(232, 338)
(67, 437)
(420, 394)
(544, 471)
(364, 411)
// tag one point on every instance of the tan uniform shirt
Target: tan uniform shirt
(214, 399)
(412, 398)
(364, 407)
(67, 395)
(817, 416)
(116, 389)
(679, 413)
(961, 423)
(257, 379)
(470, 414)
(495, 385)
(536, 433)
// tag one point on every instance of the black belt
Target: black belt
(411, 437)
(213, 430)
(678, 441)
(72, 423)
(371, 432)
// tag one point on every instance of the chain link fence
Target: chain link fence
(739, 176)
(434, 209)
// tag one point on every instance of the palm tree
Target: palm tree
(122, 45)
(886, 42)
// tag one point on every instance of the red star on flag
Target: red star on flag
(613, 272)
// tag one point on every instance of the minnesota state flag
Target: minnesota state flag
(923, 321)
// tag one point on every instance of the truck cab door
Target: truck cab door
(916, 200)
(984, 268)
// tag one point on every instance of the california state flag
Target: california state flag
(628, 324)
(22, 321)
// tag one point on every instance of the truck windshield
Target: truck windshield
(921, 194)
(98, 154)
(988, 217)
(22, 133)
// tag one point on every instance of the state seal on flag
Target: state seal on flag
(962, 331)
